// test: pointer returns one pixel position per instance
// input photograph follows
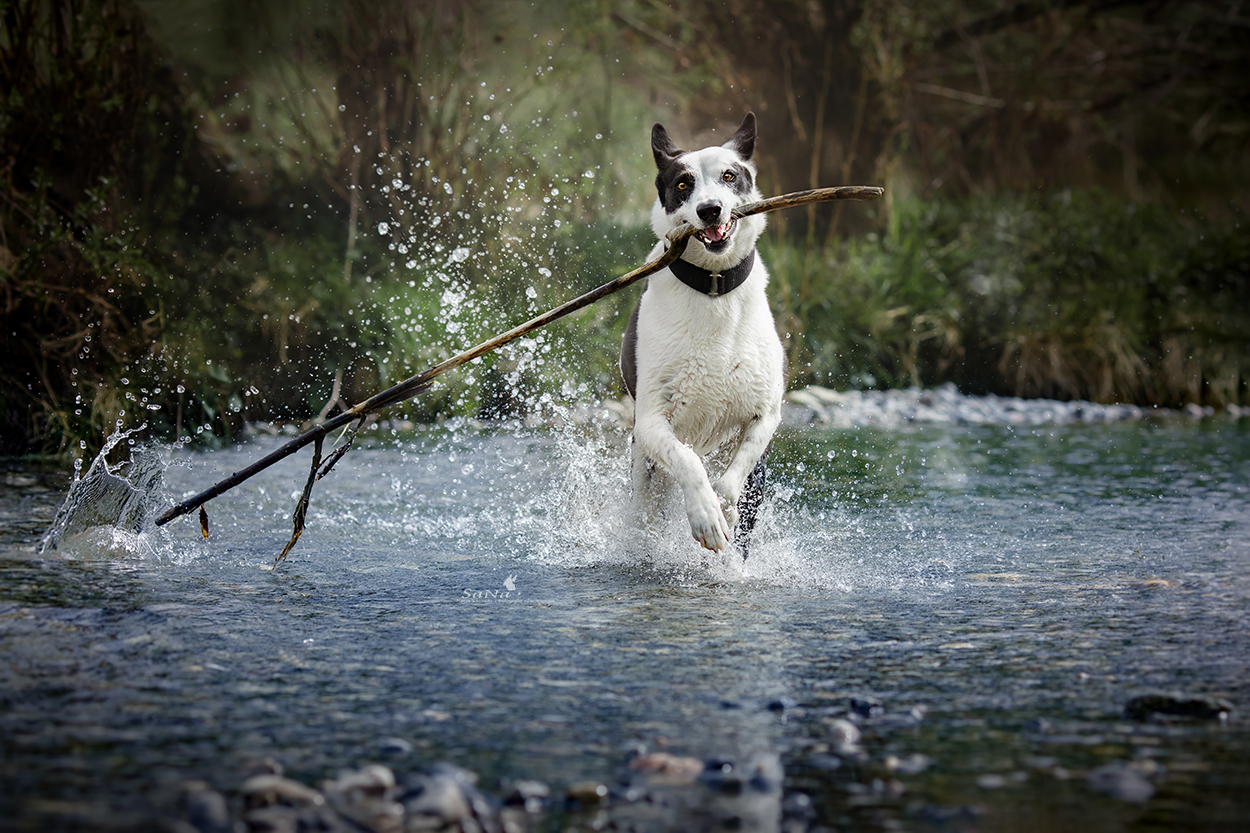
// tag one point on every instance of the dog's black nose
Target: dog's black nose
(709, 212)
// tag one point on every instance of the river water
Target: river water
(980, 601)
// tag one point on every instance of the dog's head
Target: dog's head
(701, 187)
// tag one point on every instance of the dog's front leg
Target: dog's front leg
(654, 438)
(755, 439)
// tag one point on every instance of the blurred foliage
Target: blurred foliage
(90, 134)
(218, 211)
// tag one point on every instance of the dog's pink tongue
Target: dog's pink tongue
(715, 234)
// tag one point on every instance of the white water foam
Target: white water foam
(586, 518)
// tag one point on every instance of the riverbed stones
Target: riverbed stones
(1165, 706)
(946, 405)
(276, 804)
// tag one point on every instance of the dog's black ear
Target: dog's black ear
(662, 147)
(743, 141)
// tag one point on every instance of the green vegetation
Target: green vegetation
(1073, 296)
(214, 212)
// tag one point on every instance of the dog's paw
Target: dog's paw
(708, 525)
(728, 502)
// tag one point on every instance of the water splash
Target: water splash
(107, 509)
(585, 517)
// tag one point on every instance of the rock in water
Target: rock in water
(268, 790)
(1148, 706)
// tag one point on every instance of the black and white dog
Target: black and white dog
(701, 355)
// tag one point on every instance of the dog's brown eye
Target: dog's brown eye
(729, 176)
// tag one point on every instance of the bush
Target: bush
(1070, 296)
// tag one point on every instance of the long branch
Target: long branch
(412, 386)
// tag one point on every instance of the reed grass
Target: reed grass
(1072, 295)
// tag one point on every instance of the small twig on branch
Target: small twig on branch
(334, 395)
(678, 238)
(301, 508)
(337, 454)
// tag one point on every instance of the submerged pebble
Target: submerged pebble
(867, 707)
(530, 796)
(587, 793)
(440, 800)
(373, 781)
(1122, 781)
(394, 746)
(206, 809)
(843, 735)
(910, 765)
(761, 773)
(991, 781)
(448, 794)
(669, 768)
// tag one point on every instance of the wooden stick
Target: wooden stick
(678, 238)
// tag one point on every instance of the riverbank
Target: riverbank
(815, 406)
(944, 404)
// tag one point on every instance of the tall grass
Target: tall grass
(1071, 295)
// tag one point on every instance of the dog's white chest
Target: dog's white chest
(708, 365)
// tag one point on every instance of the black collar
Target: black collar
(713, 284)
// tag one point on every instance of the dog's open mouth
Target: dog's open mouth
(716, 237)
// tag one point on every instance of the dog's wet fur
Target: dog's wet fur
(706, 369)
